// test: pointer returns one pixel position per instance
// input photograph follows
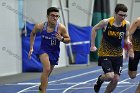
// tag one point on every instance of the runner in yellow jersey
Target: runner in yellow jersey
(133, 62)
(110, 51)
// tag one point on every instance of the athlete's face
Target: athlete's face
(120, 16)
(53, 17)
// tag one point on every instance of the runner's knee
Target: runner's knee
(116, 78)
(46, 70)
(109, 75)
(132, 76)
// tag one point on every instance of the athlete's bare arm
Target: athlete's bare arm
(127, 39)
(37, 27)
(62, 34)
(128, 42)
(132, 29)
(102, 24)
(134, 26)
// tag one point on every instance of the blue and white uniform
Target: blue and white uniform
(50, 44)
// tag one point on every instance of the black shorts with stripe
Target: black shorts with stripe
(111, 64)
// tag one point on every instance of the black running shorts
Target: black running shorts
(111, 64)
(133, 63)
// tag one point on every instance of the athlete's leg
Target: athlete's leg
(108, 73)
(131, 53)
(104, 77)
(132, 74)
(46, 71)
(107, 77)
(132, 66)
(138, 89)
(107, 68)
(51, 69)
(112, 85)
(117, 67)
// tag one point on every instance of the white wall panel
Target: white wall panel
(10, 40)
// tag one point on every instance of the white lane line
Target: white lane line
(123, 83)
(128, 87)
(24, 84)
(79, 88)
(73, 83)
(64, 79)
(77, 85)
(27, 88)
(94, 71)
(85, 82)
(66, 83)
(128, 78)
(67, 78)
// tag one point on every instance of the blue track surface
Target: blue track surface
(78, 81)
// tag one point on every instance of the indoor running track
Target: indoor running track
(77, 81)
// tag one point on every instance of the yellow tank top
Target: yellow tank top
(136, 40)
(111, 43)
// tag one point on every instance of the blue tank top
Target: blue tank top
(49, 42)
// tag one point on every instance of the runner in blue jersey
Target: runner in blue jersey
(52, 32)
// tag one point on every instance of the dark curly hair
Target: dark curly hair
(52, 9)
(120, 7)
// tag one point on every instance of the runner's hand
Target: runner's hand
(128, 45)
(30, 53)
(93, 48)
(58, 36)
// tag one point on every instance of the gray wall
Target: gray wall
(36, 10)
(135, 11)
(10, 40)
(80, 12)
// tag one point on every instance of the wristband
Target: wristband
(62, 39)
